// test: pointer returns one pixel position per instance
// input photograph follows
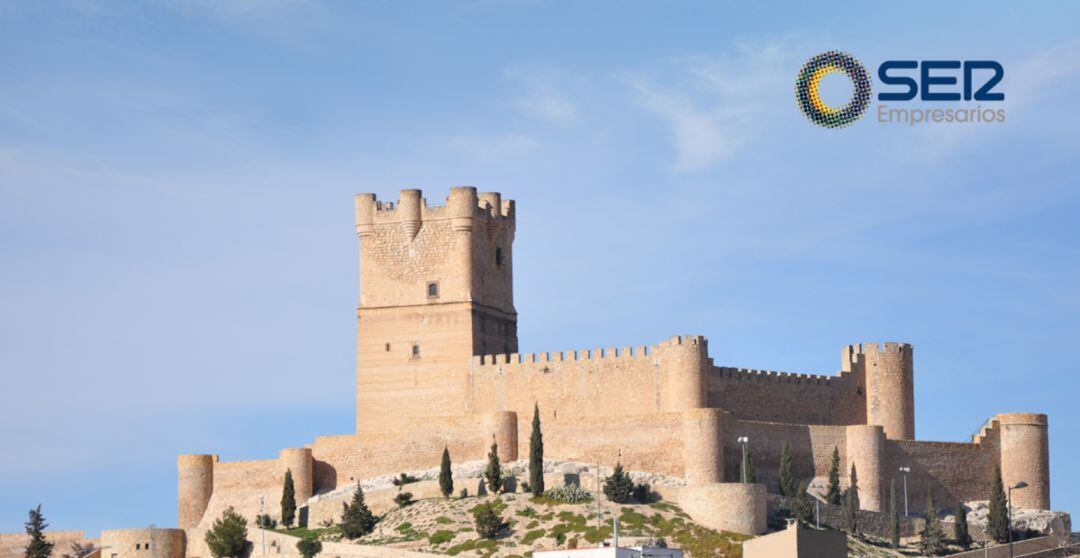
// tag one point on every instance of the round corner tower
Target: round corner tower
(1025, 457)
(889, 374)
(195, 481)
(501, 427)
(684, 361)
(703, 445)
(299, 462)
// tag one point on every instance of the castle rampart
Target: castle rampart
(438, 367)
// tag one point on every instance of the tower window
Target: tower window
(498, 256)
(433, 289)
(388, 347)
(416, 351)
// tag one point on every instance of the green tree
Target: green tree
(227, 537)
(618, 487)
(833, 495)
(963, 535)
(288, 501)
(536, 455)
(894, 517)
(309, 547)
(998, 520)
(38, 547)
(751, 473)
(804, 507)
(932, 541)
(446, 474)
(788, 484)
(488, 521)
(851, 503)
(357, 520)
(493, 472)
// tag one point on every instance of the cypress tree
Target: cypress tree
(834, 496)
(536, 455)
(493, 473)
(851, 503)
(288, 501)
(357, 520)
(804, 507)
(963, 536)
(446, 475)
(998, 520)
(38, 547)
(894, 516)
(932, 542)
(788, 486)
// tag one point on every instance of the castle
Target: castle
(438, 365)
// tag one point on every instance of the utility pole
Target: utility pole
(905, 470)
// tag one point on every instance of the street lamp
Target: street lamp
(743, 440)
(1008, 513)
(905, 471)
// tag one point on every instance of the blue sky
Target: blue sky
(179, 266)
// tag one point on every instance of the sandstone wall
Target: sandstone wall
(13, 545)
(143, 543)
(784, 397)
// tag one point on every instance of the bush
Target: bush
(488, 521)
(228, 535)
(643, 493)
(568, 494)
(441, 537)
(265, 521)
(403, 479)
(403, 499)
(309, 547)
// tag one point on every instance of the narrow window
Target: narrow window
(498, 256)
(416, 351)
(388, 347)
(433, 290)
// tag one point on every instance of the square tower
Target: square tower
(436, 288)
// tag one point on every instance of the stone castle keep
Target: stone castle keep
(438, 364)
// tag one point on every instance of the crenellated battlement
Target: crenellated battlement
(753, 375)
(583, 355)
(463, 204)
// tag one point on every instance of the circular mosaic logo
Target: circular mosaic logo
(808, 96)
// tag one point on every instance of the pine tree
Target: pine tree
(998, 519)
(788, 486)
(357, 520)
(227, 537)
(894, 517)
(851, 503)
(493, 473)
(618, 487)
(288, 501)
(932, 542)
(804, 508)
(38, 547)
(963, 536)
(536, 455)
(446, 475)
(834, 496)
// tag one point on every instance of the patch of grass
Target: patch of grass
(531, 536)
(406, 526)
(305, 532)
(443, 520)
(441, 537)
(527, 512)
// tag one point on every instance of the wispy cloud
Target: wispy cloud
(715, 105)
(541, 99)
(492, 148)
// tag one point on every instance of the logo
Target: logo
(808, 94)
(946, 91)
